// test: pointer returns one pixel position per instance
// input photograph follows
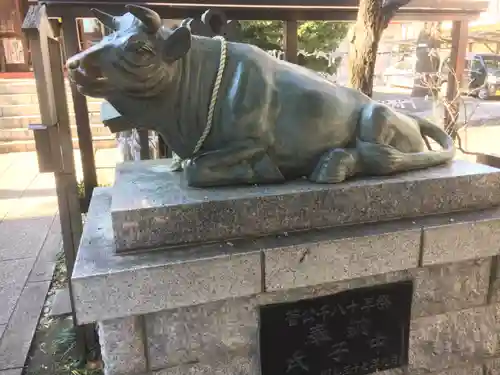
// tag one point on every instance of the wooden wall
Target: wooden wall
(14, 52)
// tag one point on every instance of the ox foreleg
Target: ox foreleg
(242, 163)
(335, 166)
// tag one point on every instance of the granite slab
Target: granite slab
(462, 240)
(152, 207)
(107, 285)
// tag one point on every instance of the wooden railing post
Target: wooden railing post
(72, 47)
(38, 31)
(291, 41)
(54, 144)
(459, 39)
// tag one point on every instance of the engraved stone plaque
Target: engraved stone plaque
(355, 332)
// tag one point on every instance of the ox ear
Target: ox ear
(177, 44)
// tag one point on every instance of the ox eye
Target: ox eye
(140, 47)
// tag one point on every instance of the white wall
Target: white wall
(494, 8)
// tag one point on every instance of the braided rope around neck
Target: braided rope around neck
(177, 162)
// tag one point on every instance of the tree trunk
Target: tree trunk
(373, 17)
(364, 45)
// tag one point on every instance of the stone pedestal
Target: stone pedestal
(192, 305)
(151, 207)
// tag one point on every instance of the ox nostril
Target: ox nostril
(73, 64)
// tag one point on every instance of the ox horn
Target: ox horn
(106, 19)
(149, 17)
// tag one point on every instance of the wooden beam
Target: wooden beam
(284, 5)
(38, 30)
(460, 47)
(163, 150)
(457, 65)
(492, 160)
(144, 144)
(59, 9)
(290, 44)
(67, 161)
(22, 8)
(67, 191)
(489, 48)
(71, 45)
(58, 146)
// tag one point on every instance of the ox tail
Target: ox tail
(380, 159)
(443, 139)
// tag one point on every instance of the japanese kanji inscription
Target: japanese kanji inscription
(355, 332)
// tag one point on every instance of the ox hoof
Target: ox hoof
(335, 166)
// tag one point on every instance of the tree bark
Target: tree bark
(373, 17)
(364, 45)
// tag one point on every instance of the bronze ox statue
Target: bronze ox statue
(240, 116)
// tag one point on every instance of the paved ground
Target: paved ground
(30, 239)
(475, 111)
(481, 135)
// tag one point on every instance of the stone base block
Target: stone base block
(152, 207)
(122, 346)
(195, 310)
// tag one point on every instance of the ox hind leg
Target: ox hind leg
(336, 165)
(389, 143)
(242, 163)
(374, 152)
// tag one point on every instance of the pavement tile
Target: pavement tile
(6, 161)
(13, 276)
(24, 228)
(23, 238)
(16, 341)
(13, 184)
(46, 261)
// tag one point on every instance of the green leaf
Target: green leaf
(313, 37)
